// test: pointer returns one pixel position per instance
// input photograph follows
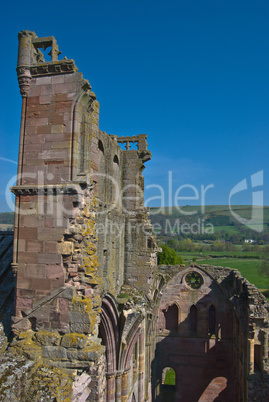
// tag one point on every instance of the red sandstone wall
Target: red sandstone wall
(203, 363)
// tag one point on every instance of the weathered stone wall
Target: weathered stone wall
(95, 319)
(76, 195)
(188, 344)
(230, 358)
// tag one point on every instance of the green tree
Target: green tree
(168, 256)
(218, 245)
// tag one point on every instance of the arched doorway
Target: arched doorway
(168, 385)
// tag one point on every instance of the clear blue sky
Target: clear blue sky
(192, 74)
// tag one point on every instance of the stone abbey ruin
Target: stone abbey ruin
(95, 317)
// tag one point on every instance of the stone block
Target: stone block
(45, 99)
(72, 354)
(34, 91)
(49, 258)
(48, 338)
(63, 305)
(74, 340)
(41, 284)
(55, 271)
(28, 233)
(56, 119)
(30, 258)
(32, 101)
(47, 89)
(34, 246)
(57, 79)
(24, 303)
(35, 271)
(91, 353)
(50, 247)
(43, 80)
(65, 248)
(57, 128)
(80, 327)
(26, 293)
(57, 282)
(24, 283)
(54, 353)
(48, 234)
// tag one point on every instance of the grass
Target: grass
(170, 377)
(206, 253)
(248, 268)
(228, 229)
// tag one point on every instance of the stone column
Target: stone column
(24, 79)
(24, 61)
(251, 356)
(110, 387)
(147, 372)
(124, 386)
(265, 344)
(141, 366)
(118, 386)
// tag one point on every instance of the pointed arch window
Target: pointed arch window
(193, 319)
(171, 318)
(212, 320)
(168, 379)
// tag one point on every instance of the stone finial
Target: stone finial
(24, 79)
(24, 61)
(14, 267)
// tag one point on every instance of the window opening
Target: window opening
(168, 379)
(212, 320)
(100, 146)
(194, 280)
(193, 319)
(257, 358)
(171, 318)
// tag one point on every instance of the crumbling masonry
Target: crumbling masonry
(95, 318)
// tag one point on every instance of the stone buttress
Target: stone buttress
(79, 203)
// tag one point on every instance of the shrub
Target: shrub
(168, 256)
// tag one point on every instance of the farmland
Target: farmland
(228, 243)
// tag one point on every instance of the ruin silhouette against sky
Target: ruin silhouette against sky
(193, 75)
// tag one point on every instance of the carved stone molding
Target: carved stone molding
(24, 79)
(14, 267)
(26, 32)
(50, 68)
(51, 189)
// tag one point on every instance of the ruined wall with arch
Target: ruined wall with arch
(185, 340)
(93, 310)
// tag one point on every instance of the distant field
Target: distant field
(217, 213)
(6, 226)
(228, 229)
(233, 254)
(248, 268)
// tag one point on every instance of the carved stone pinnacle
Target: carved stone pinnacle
(24, 79)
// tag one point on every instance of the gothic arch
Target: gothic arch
(109, 331)
(172, 317)
(80, 132)
(131, 332)
(212, 320)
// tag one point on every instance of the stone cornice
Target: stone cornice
(52, 68)
(48, 189)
